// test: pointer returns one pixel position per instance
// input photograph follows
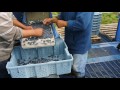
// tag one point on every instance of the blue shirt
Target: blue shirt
(78, 32)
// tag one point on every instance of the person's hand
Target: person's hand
(38, 32)
(61, 23)
(47, 21)
(28, 28)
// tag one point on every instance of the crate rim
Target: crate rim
(33, 65)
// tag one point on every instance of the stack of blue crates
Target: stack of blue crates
(96, 23)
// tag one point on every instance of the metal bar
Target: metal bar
(103, 70)
(109, 70)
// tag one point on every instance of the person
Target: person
(78, 28)
(19, 16)
(10, 30)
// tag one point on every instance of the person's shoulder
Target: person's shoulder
(5, 15)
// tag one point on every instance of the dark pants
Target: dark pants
(3, 70)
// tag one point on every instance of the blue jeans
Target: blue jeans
(79, 63)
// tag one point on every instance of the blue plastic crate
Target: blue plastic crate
(96, 23)
(40, 70)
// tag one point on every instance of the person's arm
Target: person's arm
(10, 33)
(59, 23)
(36, 32)
(48, 21)
(83, 19)
(18, 33)
(57, 20)
(19, 24)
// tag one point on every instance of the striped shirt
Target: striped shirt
(8, 34)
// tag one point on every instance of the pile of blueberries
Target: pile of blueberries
(40, 60)
(47, 28)
(46, 36)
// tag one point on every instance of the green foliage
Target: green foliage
(108, 18)
(55, 13)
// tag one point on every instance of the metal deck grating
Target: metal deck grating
(109, 69)
(103, 62)
(104, 51)
(103, 54)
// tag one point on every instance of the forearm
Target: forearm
(61, 23)
(27, 33)
(19, 24)
(54, 20)
(36, 32)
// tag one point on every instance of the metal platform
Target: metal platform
(109, 69)
(103, 61)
